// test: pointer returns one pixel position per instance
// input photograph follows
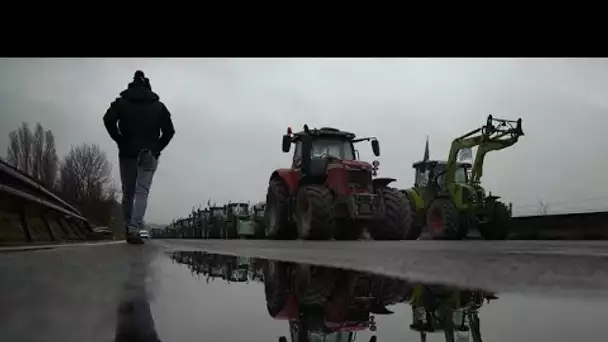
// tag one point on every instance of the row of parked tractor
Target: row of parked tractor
(329, 193)
(230, 221)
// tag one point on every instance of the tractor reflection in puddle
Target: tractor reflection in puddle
(453, 311)
(325, 304)
(332, 305)
(212, 266)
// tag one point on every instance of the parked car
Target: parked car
(144, 234)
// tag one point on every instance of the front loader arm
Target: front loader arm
(483, 149)
(489, 138)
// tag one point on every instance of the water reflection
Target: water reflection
(329, 304)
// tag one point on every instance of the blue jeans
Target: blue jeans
(136, 175)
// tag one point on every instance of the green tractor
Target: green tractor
(447, 196)
(203, 219)
(257, 215)
(237, 221)
(214, 224)
(452, 311)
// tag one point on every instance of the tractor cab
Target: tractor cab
(240, 272)
(434, 170)
(323, 143)
(205, 214)
(216, 213)
(258, 211)
(238, 209)
(430, 177)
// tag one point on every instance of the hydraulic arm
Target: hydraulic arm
(495, 135)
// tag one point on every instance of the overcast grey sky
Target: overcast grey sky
(229, 116)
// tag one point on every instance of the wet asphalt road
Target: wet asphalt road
(547, 290)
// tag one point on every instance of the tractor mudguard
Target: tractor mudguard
(382, 182)
(289, 176)
(415, 198)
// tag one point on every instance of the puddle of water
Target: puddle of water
(198, 296)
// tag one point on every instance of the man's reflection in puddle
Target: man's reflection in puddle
(134, 319)
(332, 305)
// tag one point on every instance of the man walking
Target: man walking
(135, 121)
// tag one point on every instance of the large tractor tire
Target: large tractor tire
(260, 230)
(231, 229)
(276, 285)
(417, 219)
(443, 220)
(315, 214)
(277, 211)
(500, 225)
(314, 285)
(394, 219)
(215, 230)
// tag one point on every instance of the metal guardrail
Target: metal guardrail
(23, 195)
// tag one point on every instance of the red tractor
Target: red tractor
(329, 193)
(321, 303)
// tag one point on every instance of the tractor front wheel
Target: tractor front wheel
(277, 211)
(394, 219)
(442, 220)
(315, 215)
(499, 226)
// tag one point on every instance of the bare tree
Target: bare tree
(19, 152)
(37, 151)
(85, 180)
(50, 161)
(34, 154)
(85, 174)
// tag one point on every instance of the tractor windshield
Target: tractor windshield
(240, 210)
(339, 148)
(424, 174)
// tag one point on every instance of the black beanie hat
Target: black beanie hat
(139, 78)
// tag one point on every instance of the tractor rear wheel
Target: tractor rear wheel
(276, 285)
(499, 227)
(277, 211)
(314, 285)
(442, 220)
(394, 218)
(315, 214)
(417, 220)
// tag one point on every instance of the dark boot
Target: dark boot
(134, 239)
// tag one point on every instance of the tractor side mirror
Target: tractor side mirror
(376, 147)
(286, 143)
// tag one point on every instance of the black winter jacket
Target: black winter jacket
(136, 120)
